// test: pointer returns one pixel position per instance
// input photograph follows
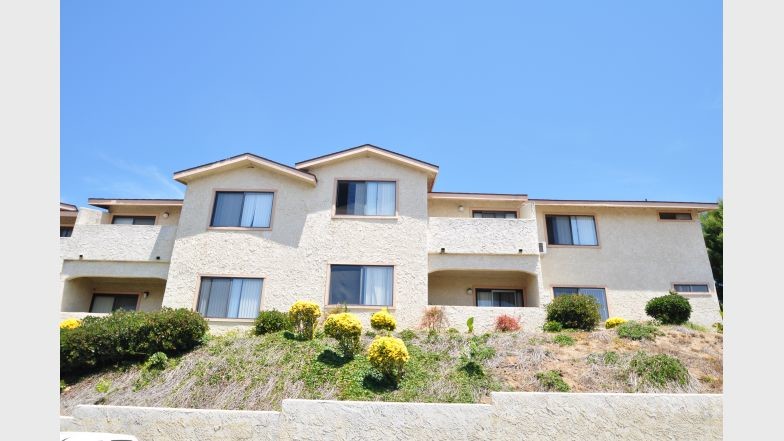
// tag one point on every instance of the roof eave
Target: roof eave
(184, 176)
(367, 148)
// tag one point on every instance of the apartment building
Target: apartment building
(363, 227)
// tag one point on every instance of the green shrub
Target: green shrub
(407, 334)
(271, 321)
(346, 328)
(574, 311)
(476, 352)
(470, 325)
(609, 357)
(552, 326)
(719, 326)
(563, 340)
(658, 370)
(62, 385)
(552, 381)
(672, 309)
(157, 361)
(695, 327)
(128, 336)
(637, 331)
(103, 386)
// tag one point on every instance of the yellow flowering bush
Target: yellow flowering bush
(70, 323)
(346, 329)
(383, 321)
(389, 356)
(613, 322)
(304, 316)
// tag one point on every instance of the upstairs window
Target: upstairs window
(494, 214)
(66, 231)
(225, 297)
(571, 230)
(369, 285)
(245, 209)
(106, 303)
(366, 198)
(690, 288)
(133, 220)
(675, 216)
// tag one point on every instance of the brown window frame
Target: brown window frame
(493, 211)
(675, 214)
(134, 217)
(114, 294)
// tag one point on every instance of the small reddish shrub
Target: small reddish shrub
(506, 323)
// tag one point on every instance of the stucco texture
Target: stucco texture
(294, 256)
(482, 236)
(78, 292)
(639, 257)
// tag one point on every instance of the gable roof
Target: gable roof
(367, 149)
(244, 159)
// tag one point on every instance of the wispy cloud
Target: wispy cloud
(133, 181)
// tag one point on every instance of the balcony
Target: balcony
(482, 236)
(125, 243)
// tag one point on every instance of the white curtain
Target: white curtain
(376, 285)
(256, 210)
(379, 198)
(599, 295)
(250, 297)
(484, 298)
(583, 230)
(102, 304)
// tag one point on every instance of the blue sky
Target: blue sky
(561, 99)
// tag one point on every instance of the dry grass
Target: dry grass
(240, 371)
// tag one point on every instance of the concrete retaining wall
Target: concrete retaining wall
(511, 415)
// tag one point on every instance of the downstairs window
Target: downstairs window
(368, 285)
(227, 297)
(596, 293)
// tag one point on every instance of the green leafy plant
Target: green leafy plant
(608, 358)
(470, 325)
(128, 336)
(659, 369)
(719, 326)
(574, 311)
(157, 361)
(271, 321)
(62, 385)
(474, 354)
(633, 330)
(407, 334)
(552, 326)
(103, 386)
(695, 327)
(672, 309)
(552, 381)
(563, 340)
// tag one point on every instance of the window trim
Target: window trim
(693, 217)
(595, 227)
(195, 305)
(497, 210)
(153, 216)
(709, 293)
(215, 192)
(578, 286)
(474, 288)
(115, 293)
(326, 303)
(356, 216)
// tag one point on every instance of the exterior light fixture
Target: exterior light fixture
(146, 294)
(469, 292)
(460, 208)
(165, 214)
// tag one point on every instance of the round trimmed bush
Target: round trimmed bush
(346, 328)
(389, 356)
(304, 315)
(383, 321)
(271, 321)
(506, 323)
(612, 322)
(672, 309)
(574, 311)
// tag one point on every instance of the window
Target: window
(106, 303)
(494, 214)
(242, 209)
(596, 293)
(690, 288)
(133, 220)
(571, 230)
(66, 231)
(675, 216)
(226, 297)
(499, 297)
(366, 198)
(360, 285)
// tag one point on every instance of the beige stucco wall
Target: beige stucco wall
(482, 236)
(293, 257)
(129, 210)
(450, 207)
(639, 257)
(78, 292)
(449, 287)
(120, 242)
